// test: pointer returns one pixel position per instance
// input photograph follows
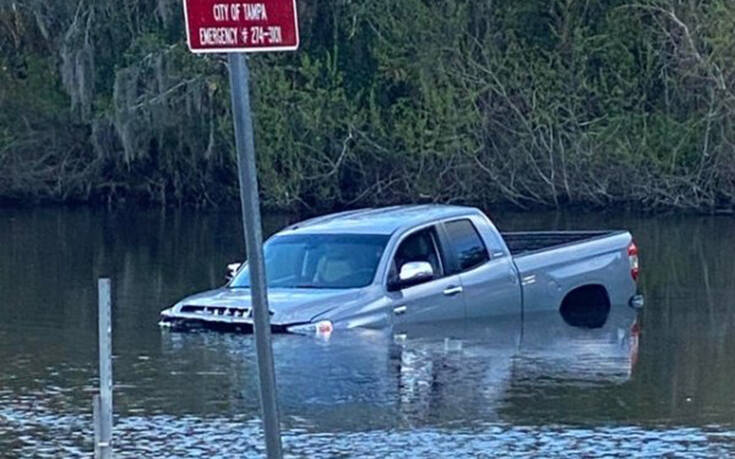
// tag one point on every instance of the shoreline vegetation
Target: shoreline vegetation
(527, 105)
(124, 204)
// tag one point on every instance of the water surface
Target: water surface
(657, 383)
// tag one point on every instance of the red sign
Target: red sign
(225, 26)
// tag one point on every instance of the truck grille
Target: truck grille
(217, 311)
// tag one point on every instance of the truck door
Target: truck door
(490, 284)
(433, 299)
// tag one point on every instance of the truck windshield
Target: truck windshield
(319, 261)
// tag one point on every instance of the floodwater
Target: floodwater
(658, 383)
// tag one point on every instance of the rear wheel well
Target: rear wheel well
(587, 306)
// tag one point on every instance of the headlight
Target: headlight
(166, 318)
(321, 328)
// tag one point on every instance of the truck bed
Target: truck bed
(521, 243)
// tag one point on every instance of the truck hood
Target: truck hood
(287, 306)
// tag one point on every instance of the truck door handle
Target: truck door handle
(452, 290)
(400, 310)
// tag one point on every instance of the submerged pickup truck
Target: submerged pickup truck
(402, 265)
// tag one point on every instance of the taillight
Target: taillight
(635, 268)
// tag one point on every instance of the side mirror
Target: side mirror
(413, 273)
(232, 270)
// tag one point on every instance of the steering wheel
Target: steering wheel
(352, 277)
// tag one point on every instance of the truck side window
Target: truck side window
(466, 243)
(419, 246)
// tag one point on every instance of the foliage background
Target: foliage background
(531, 103)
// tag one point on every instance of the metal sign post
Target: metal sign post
(240, 82)
(234, 27)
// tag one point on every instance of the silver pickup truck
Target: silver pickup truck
(402, 265)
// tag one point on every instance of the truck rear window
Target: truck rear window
(466, 244)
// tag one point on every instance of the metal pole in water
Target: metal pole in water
(244, 142)
(104, 446)
(97, 427)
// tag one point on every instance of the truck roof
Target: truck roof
(385, 220)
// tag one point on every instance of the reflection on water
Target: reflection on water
(655, 384)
